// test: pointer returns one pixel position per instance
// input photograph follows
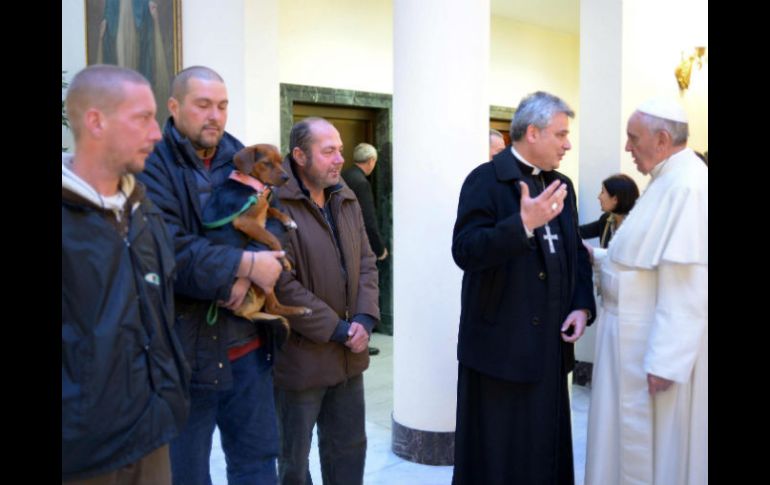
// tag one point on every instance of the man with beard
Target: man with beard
(232, 385)
(319, 372)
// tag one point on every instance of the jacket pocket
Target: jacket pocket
(77, 360)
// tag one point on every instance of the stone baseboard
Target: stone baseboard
(425, 447)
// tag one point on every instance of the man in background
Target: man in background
(496, 143)
(365, 159)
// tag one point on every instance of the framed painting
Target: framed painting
(144, 35)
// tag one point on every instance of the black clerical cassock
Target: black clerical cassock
(513, 417)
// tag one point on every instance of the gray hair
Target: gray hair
(493, 132)
(181, 81)
(677, 130)
(98, 86)
(363, 152)
(537, 109)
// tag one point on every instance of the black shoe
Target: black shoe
(374, 351)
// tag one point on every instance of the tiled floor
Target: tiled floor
(382, 466)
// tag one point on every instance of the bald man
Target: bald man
(124, 376)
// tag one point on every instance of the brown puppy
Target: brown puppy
(262, 163)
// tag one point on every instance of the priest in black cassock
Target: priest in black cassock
(527, 296)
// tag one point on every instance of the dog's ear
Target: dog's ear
(270, 152)
(245, 159)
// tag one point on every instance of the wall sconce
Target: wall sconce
(684, 69)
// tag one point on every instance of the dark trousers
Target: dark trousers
(245, 415)
(152, 469)
(339, 413)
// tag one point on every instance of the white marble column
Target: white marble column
(440, 133)
(239, 40)
(601, 127)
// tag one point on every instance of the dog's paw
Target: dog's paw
(291, 225)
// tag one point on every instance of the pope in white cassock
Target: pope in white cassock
(648, 421)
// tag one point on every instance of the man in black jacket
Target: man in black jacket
(124, 376)
(232, 383)
(365, 158)
(527, 296)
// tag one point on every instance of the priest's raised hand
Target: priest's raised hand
(537, 211)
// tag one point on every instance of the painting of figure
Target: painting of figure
(140, 34)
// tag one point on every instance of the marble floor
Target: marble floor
(382, 466)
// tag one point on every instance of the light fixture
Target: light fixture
(684, 69)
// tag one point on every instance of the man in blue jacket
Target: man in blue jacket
(527, 296)
(232, 384)
(124, 376)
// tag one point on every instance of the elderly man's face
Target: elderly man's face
(643, 145)
(496, 145)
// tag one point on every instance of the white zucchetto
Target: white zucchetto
(665, 108)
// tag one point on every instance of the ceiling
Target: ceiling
(563, 15)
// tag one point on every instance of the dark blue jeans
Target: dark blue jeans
(247, 424)
(339, 413)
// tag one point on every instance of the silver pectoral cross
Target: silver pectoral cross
(550, 238)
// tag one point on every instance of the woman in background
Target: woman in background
(618, 195)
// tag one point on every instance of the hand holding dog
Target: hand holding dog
(546, 206)
(237, 294)
(358, 338)
(262, 267)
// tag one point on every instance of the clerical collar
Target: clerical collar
(535, 170)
